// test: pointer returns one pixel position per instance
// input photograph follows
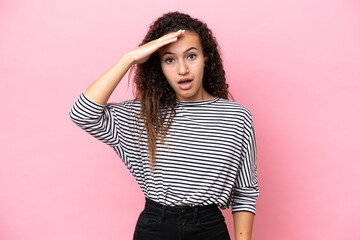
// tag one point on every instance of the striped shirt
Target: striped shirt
(209, 156)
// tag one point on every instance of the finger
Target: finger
(169, 38)
(171, 35)
(176, 34)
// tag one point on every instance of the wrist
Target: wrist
(129, 59)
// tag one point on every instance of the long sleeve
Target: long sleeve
(98, 120)
(246, 189)
(113, 124)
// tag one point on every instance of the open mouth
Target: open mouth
(185, 83)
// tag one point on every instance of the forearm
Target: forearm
(100, 90)
(243, 224)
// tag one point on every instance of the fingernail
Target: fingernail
(180, 30)
(175, 38)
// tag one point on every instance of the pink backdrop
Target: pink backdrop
(294, 64)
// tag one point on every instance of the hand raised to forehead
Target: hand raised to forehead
(141, 54)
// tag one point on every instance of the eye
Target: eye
(169, 60)
(191, 56)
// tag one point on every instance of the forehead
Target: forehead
(186, 41)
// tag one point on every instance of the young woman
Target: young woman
(190, 149)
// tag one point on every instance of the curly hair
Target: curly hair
(158, 99)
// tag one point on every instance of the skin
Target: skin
(243, 224)
(184, 59)
(100, 90)
(184, 66)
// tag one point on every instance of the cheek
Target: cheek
(163, 69)
(167, 71)
(199, 69)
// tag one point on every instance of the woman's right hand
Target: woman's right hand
(100, 90)
(142, 54)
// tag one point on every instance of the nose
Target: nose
(182, 68)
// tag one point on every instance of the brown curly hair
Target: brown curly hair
(158, 99)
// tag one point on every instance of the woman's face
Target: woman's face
(182, 63)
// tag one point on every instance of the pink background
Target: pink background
(294, 64)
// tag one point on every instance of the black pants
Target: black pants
(158, 222)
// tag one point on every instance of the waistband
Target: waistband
(179, 209)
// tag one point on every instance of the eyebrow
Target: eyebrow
(184, 52)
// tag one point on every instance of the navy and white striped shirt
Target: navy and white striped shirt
(209, 158)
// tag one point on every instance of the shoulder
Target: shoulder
(129, 106)
(233, 107)
(240, 113)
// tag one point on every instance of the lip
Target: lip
(185, 86)
(183, 79)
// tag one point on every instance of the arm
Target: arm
(102, 121)
(246, 189)
(243, 224)
(100, 91)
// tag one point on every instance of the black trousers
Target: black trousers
(159, 222)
